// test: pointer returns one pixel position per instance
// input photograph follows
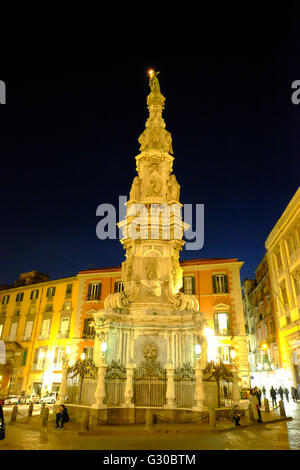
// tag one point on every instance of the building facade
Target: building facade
(261, 328)
(36, 325)
(283, 254)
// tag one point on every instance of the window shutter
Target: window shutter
(48, 292)
(99, 291)
(116, 287)
(226, 282)
(24, 357)
(31, 295)
(89, 291)
(214, 284)
(193, 285)
(228, 324)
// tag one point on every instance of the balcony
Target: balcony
(43, 337)
(25, 338)
(63, 334)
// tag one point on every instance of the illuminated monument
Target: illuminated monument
(151, 330)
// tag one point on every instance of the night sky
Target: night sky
(76, 105)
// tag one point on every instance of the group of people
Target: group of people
(281, 392)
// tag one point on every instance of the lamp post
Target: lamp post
(199, 392)
(100, 390)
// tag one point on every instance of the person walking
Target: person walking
(286, 392)
(254, 405)
(296, 394)
(235, 415)
(258, 394)
(61, 417)
(264, 391)
(273, 396)
(280, 391)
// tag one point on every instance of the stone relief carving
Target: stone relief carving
(173, 189)
(135, 191)
(150, 367)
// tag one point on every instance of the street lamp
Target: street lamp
(82, 357)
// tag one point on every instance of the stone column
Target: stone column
(199, 392)
(236, 396)
(170, 393)
(63, 386)
(128, 393)
(100, 390)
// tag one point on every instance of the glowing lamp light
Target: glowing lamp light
(208, 332)
(104, 347)
(264, 346)
(68, 350)
(82, 357)
(151, 72)
(197, 349)
(232, 354)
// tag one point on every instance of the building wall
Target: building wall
(24, 376)
(283, 254)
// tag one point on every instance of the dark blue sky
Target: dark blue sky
(76, 105)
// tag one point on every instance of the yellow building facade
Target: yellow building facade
(283, 254)
(36, 326)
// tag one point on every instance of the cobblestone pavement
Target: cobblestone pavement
(270, 436)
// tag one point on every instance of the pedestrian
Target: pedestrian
(296, 394)
(61, 417)
(258, 394)
(273, 396)
(264, 391)
(286, 392)
(235, 415)
(2, 425)
(280, 391)
(254, 406)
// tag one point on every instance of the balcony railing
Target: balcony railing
(63, 334)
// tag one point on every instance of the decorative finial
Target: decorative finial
(153, 80)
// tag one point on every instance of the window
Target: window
(222, 324)
(51, 291)
(67, 306)
(5, 299)
(39, 358)
(189, 285)
(45, 330)
(259, 333)
(220, 283)
(297, 284)
(13, 331)
(28, 329)
(31, 310)
(49, 308)
(64, 325)
(58, 355)
(278, 260)
(119, 286)
(69, 290)
(34, 294)
(224, 354)
(89, 353)
(94, 291)
(88, 330)
(19, 297)
(284, 295)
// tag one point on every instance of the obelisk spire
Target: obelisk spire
(155, 136)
